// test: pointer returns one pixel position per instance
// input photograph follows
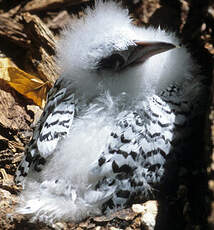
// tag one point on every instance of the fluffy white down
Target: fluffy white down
(108, 28)
(64, 188)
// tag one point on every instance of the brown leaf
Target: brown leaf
(24, 83)
(29, 85)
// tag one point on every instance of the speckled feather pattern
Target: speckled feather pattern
(105, 138)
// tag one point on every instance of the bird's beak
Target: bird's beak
(144, 50)
(135, 54)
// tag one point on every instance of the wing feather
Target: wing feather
(54, 124)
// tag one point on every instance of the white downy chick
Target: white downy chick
(110, 120)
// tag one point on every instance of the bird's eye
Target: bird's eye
(114, 62)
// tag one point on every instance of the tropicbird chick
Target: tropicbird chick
(112, 119)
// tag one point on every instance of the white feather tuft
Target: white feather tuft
(108, 28)
(64, 188)
(50, 202)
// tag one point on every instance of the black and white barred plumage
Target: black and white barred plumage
(121, 111)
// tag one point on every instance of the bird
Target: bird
(120, 112)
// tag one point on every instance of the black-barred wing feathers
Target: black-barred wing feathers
(54, 125)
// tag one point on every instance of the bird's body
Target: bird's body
(115, 117)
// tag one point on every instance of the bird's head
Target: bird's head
(104, 51)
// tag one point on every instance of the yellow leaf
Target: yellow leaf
(24, 83)
(29, 85)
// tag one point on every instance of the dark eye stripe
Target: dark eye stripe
(114, 62)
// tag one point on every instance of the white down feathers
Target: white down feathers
(64, 189)
(109, 28)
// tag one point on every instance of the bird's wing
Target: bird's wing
(54, 124)
(134, 158)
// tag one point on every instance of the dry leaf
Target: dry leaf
(24, 83)
(28, 85)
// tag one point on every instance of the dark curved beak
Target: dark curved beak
(135, 54)
(144, 50)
